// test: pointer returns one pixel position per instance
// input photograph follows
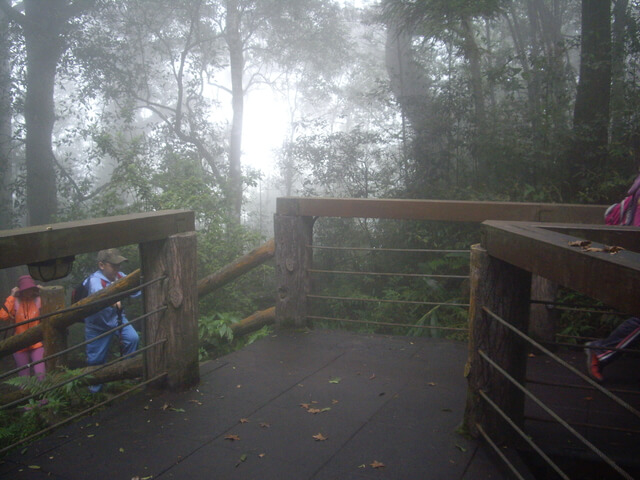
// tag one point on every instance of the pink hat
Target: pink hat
(25, 282)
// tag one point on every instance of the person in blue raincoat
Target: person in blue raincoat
(109, 262)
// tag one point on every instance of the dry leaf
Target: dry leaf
(319, 437)
(306, 406)
(432, 384)
(580, 243)
(166, 406)
(232, 438)
(261, 455)
(238, 386)
(593, 249)
(377, 464)
(335, 380)
(314, 410)
(334, 402)
(197, 402)
(264, 425)
(372, 376)
(244, 420)
(612, 249)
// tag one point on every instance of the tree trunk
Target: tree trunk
(7, 277)
(591, 113)
(43, 27)
(236, 65)
(621, 159)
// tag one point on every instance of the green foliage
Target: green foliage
(45, 408)
(216, 336)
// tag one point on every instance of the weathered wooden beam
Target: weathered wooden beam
(446, 210)
(66, 319)
(612, 279)
(175, 257)
(235, 269)
(45, 242)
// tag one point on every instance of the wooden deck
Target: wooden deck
(378, 400)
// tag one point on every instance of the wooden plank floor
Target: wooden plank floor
(378, 400)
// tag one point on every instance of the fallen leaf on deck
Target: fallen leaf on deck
(238, 386)
(593, 249)
(319, 437)
(362, 466)
(335, 380)
(165, 406)
(377, 464)
(261, 455)
(232, 438)
(432, 384)
(243, 458)
(372, 376)
(244, 420)
(314, 410)
(197, 402)
(35, 467)
(306, 406)
(461, 448)
(334, 402)
(264, 425)
(580, 243)
(121, 450)
(612, 249)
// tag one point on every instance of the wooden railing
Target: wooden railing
(501, 270)
(295, 217)
(167, 242)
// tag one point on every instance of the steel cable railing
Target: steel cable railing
(387, 324)
(604, 457)
(385, 274)
(543, 406)
(500, 453)
(522, 435)
(81, 375)
(82, 413)
(571, 368)
(381, 300)
(82, 344)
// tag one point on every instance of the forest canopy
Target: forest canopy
(118, 106)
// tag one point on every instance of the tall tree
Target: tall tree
(44, 26)
(591, 112)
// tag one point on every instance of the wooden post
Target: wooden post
(542, 320)
(293, 260)
(175, 258)
(54, 338)
(504, 289)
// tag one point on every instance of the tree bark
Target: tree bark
(236, 65)
(175, 257)
(591, 112)
(504, 289)
(7, 276)
(43, 25)
(293, 260)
